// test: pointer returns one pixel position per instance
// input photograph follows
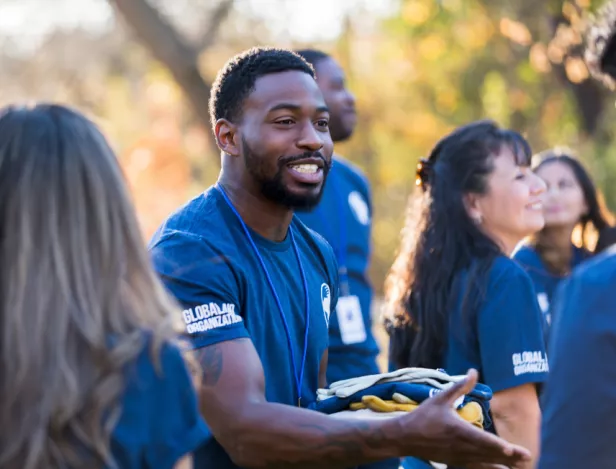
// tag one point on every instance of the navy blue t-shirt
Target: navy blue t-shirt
(503, 338)
(160, 420)
(579, 399)
(343, 218)
(207, 262)
(545, 281)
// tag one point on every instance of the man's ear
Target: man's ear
(227, 137)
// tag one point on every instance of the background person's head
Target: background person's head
(272, 124)
(339, 100)
(75, 283)
(479, 199)
(572, 198)
(574, 210)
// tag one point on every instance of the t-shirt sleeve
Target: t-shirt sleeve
(579, 399)
(510, 333)
(176, 426)
(204, 281)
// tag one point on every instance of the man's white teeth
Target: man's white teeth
(305, 168)
(536, 206)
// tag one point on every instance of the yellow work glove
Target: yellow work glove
(471, 412)
(376, 404)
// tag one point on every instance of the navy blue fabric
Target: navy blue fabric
(206, 261)
(160, 420)
(579, 399)
(503, 339)
(346, 200)
(545, 282)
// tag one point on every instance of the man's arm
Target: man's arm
(259, 434)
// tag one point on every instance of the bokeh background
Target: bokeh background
(418, 68)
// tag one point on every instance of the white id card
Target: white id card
(350, 320)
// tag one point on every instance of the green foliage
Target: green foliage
(437, 65)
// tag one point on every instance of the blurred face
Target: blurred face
(512, 207)
(564, 203)
(285, 140)
(338, 98)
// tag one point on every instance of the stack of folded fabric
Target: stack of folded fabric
(391, 394)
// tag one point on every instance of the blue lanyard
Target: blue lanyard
(298, 379)
(341, 246)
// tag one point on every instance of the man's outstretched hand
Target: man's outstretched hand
(439, 434)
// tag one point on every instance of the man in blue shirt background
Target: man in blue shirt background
(579, 401)
(258, 288)
(344, 217)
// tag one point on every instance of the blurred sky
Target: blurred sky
(27, 22)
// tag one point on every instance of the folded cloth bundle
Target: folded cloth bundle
(345, 388)
(403, 391)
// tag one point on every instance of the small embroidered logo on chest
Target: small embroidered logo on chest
(359, 207)
(326, 300)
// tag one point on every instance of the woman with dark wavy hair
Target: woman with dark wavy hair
(89, 373)
(455, 299)
(572, 205)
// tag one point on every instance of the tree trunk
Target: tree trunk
(172, 50)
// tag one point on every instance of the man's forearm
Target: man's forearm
(279, 436)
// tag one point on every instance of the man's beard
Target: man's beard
(273, 187)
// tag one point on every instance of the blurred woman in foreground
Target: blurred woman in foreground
(89, 376)
(572, 205)
(455, 300)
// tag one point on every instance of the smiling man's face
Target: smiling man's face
(285, 139)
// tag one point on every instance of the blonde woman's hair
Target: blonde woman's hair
(78, 299)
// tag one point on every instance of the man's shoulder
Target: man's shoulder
(311, 237)
(599, 271)
(351, 172)
(194, 239)
(585, 299)
(197, 221)
(315, 243)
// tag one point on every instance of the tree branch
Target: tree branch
(172, 50)
(218, 16)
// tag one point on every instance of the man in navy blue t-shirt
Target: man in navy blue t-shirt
(258, 289)
(343, 218)
(579, 400)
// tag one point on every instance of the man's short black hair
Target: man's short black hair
(312, 56)
(236, 80)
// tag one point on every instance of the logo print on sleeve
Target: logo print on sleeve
(529, 362)
(326, 299)
(359, 207)
(205, 317)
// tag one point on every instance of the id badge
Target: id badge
(350, 320)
